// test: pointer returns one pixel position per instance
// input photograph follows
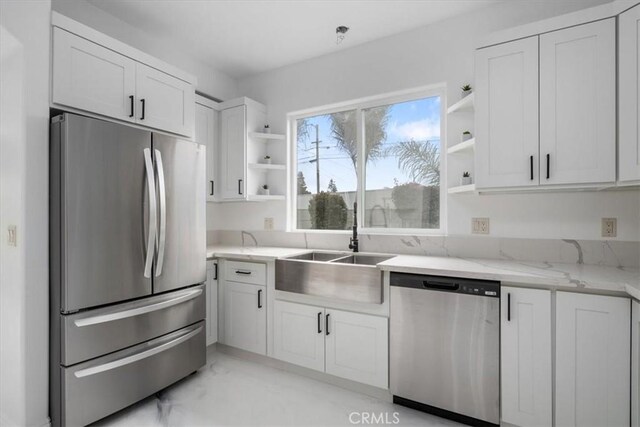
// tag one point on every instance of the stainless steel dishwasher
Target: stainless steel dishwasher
(445, 346)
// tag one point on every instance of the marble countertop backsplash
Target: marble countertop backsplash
(610, 253)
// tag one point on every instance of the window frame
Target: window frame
(359, 105)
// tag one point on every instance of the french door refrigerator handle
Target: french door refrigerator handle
(163, 213)
(138, 356)
(137, 311)
(151, 188)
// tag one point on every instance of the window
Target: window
(383, 154)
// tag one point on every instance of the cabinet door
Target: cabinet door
(526, 356)
(90, 77)
(245, 316)
(592, 360)
(206, 128)
(233, 140)
(507, 114)
(298, 334)
(635, 365)
(212, 302)
(629, 94)
(578, 104)
(164, 102)
(356, 347)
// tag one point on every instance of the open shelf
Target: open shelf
(462, 189)
(463, 146)
(464, 105)
(262, 197)
(268, 136)
(267, 166)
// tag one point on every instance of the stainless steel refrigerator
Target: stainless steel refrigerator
(128, 262)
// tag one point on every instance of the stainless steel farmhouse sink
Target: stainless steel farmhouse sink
(333, 275)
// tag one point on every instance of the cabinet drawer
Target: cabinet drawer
(99, 387)
(92, 333)
(246, 272)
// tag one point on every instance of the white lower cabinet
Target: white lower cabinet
(298, 336)
(357, 347)
(526, 377)
(635, 364)
(212, 302)
(245, 316)
(592, 360)
(348, 345)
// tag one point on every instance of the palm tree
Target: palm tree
(420, 159)
(344, 131)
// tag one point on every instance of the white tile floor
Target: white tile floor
(231, 391)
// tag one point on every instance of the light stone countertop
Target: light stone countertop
(559, 276)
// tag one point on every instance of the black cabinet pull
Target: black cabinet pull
(212, 188)
(508, 307)
(131, 102)
(326, 324)
(215, 271)
(260, 298)
(531, 166)
(240, 186)
(243, 272)
(319, 322)
(548, 161)
(142, 116)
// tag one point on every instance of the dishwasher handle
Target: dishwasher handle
(435, 284)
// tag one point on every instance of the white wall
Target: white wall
(210, 81)
(24, 278)
(442, 52)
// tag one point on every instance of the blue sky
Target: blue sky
(419, 120)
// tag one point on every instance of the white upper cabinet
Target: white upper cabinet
(592, 360)
(233, 143)
(507, 114)
(206, 134)
(526, 374)
(578, 104)
(629, 95)
(93, 78)
(165, 102)
(94, 73)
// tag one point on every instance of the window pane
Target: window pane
(326, 170)
(403, 165)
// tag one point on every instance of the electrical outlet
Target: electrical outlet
(480, 225)
(609, 227)
(12, 236)
(268, 223)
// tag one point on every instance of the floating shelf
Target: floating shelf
(462, 189)
(464, 105)
(267, 166)
(269, 136)
(263, 198)
(463, 146)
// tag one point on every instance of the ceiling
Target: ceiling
(245, 37)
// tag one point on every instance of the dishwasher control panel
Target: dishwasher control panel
(459, 285)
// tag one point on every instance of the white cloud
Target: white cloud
(417, 130)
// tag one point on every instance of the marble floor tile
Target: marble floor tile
(234, 392)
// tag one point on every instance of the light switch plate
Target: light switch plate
(609, 227)
(12, 235)
(480, 225)
(268, 223)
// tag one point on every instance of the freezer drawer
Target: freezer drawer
(100, 387)
(92, 333)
